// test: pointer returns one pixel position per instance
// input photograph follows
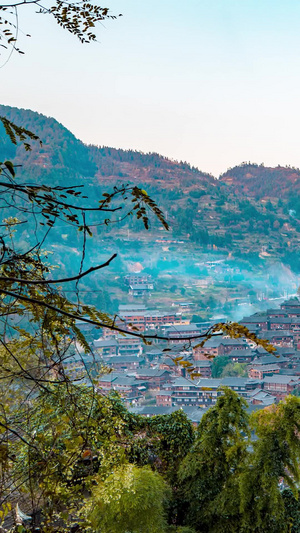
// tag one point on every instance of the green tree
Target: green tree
(167, 439)
(197, 318)
(131, 499)
(275, 456)
(235, 370)
(70, 434)
(210, 473)
(218, 365)
(292, 510)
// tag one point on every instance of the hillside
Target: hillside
(260, 182)
(62, 152)
(251, 211)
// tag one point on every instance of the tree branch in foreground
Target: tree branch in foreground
(73, 316)
(61, 280)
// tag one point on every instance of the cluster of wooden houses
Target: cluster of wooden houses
(150, 377)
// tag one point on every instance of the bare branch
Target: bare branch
(74, 316)
(61, 280)
(26, 190)
(9, 428)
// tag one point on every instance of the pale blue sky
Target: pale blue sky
(213, 82)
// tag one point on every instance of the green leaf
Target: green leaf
(10, 167)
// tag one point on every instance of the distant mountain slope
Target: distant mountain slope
(233, 214)
(63, 153)
(151, 167)
(259, 181)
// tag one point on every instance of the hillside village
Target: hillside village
(151, 382)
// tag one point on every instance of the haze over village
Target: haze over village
(151, 382)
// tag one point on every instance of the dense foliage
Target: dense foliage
(84, 459)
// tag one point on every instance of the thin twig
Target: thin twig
(61, 280)
(101, 324)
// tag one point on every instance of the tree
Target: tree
(292, 510)
(275, 456)
(218, 365)
(70, 433)
(228, 485)
(197, 318)
(166, 439)
(210, 472)
(130, 499)
(235, 370)
(79, 447)
(79, 18)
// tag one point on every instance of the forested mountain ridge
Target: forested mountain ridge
(251, 210)
(260, 182)
(61, 150)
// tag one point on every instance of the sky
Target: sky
(211, 82)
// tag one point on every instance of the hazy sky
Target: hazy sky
(212, 82)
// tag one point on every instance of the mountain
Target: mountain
(251, 212)
(260, 182)
(61, 154)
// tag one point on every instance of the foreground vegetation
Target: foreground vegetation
(84, 463)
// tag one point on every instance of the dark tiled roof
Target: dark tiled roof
(276, 333)
(195, 414)
(270, 367)
(282, 350)
(252, 408)
(254, 319)
(154, 352)
(105, 343)
(292, 302)
(289, 371)
(276, 311)
(278, 378)
(280, 320)
(211, 343)
(124, 359)
(269, 360)
(183, 382)
(238, 382)
(182, 327)
(153, 410)
(233, 342)
(152, 372)
(242, 353)
(211, 383)
(128, 381)
(132, 307)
